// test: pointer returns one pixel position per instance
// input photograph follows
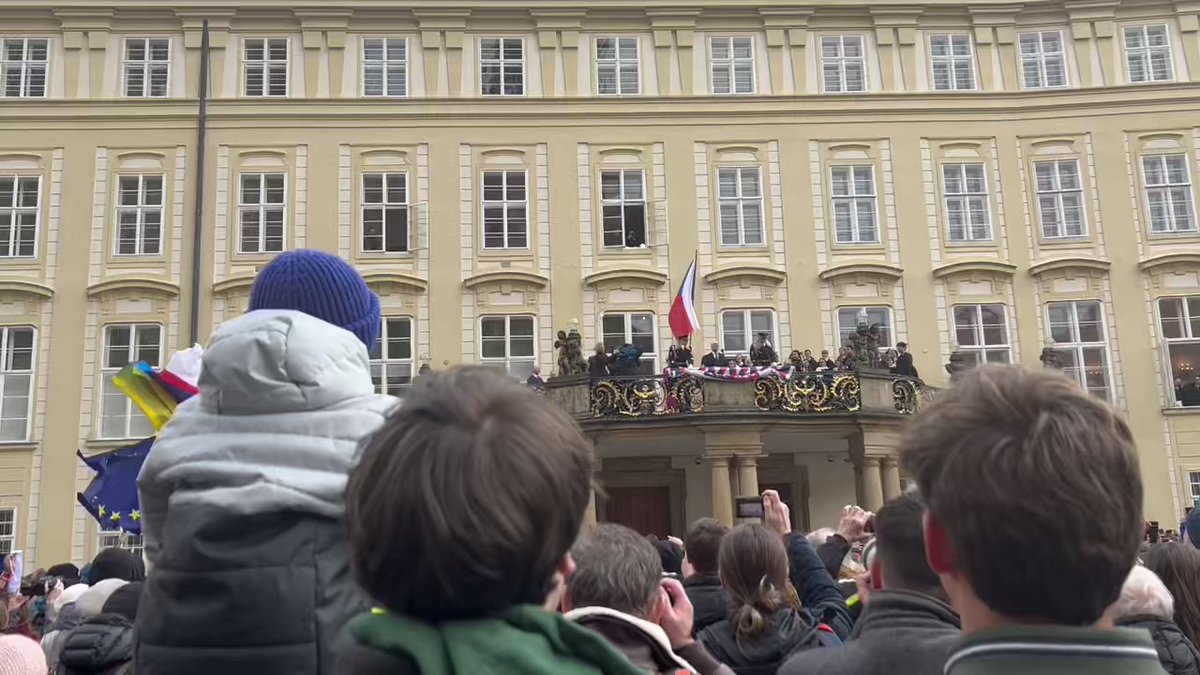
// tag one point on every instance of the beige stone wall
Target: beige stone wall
(324, 134)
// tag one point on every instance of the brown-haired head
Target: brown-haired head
(702, 545)
(1178, 565)
(468, 497)
(754, 570)
(1034, 494)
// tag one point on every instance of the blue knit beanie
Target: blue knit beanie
(320, 285)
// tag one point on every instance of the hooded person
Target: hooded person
(242, 495)
(104, 643)
(115, 563)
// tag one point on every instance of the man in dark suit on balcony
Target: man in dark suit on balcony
(904, 362)
(715, 358)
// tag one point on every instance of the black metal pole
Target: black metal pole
(198, 223)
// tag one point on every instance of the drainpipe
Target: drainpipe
(198, 222)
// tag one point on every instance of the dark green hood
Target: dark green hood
(520, 641)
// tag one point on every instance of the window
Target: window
(392, 357)
(1169, 193)
(1060, 198)
(508, 342)
(732, 65)
(953, 62)
(634, 328)
(117, 539)
(125, 344)
(20, 197)
(261, 212)
(16, 381)
(8, 530)
(502, 66)
(1148, 53)
(266, 63)
(385, 67)
(505, 214)
(982, 332)
(385, 212)
(1077, 329)
(966, 202)
(854, 204)
(739, 327)
(1194, 483)
(740, 204)
(139, 214)
(23, 65)
(843, 63)
(617, 66)
(147, 67)
(623, 202)
(1043, 60)
(1179, 319)
(848, 318)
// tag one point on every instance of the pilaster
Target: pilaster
(1092, 28)
(442, 34)
(86, 35)
(557, 28)
(995, 33)
(1188, 14)
(784, 27)
(681, 24)
(896, 36)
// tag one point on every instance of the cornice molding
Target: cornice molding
(862, 267)
(234, 283)
(501, 276)
(1169, 259)
(748, 272)
(409, 281)
(961, 266)
(134, 283)
(1067, 263)
(625, 274)
(27, 287)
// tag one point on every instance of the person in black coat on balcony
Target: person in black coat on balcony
(904, 362)
(715, 358)
(598, 363)
(680, 355)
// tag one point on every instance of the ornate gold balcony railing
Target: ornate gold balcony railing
(647, 396)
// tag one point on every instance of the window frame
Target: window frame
(982, 348)
(9, 541)
(386, 361)
(623, 201)
(853, 198)
(262, 207)
(889, 325)
(627, 336)
(12, 246)
(748, 331)
(1042, 58)
(731, 65)
(502, 61)
(966, 196)
(505, 204)
(1166, 188)
(1058, 192)
(1078, 346)
(146, 66)
(384, 207)
(508, 360)
(6, 358)
(1193, 478)
(267, 63)
(25, 66)
(842, 60)
(740, 201)
(952, 60)
(1148, 50)
(131, 412)
(617, 63)
(140, 210)
(385, 64)
(1190, 334)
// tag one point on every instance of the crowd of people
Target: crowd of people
(296, 523)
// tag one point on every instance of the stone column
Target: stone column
(748, 475)
(722, 500)
(891, 479)
(871, 497)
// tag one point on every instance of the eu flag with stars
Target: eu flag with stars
(112, 496)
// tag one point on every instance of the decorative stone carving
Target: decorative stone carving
(570, 353)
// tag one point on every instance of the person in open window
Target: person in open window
(680, 355)
(761, 352)
(635, 238)
(1189, 394)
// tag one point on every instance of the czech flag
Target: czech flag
(683, 311)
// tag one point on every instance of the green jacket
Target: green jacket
(521, 641)
(1055, 650)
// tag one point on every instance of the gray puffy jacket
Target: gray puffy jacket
(242, 503)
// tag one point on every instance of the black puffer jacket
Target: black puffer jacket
(102, 645)
(1175, 651)
(788, 632)
(709, 600)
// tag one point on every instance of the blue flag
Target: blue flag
(112, 496)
